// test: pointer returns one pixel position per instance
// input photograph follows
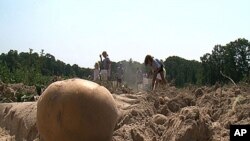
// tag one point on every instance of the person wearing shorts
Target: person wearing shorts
(157, 67)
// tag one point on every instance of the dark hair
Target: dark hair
(148, 58)
(105, 53)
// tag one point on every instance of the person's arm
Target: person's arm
(101, 57)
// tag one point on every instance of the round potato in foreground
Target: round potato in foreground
(76, 110)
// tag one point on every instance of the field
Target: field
(169, 114)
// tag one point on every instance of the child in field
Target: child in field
(157, 67)
(96, 71)
(119, 74)
(119, 77)
(139, 78)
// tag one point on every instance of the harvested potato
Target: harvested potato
(76, 110)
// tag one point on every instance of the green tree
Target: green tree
(231, 59)
(182, 71)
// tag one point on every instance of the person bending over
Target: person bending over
(157, 67)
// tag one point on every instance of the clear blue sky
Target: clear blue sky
(77, 31)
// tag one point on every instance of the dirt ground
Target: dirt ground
(4, 135)
(170, 114)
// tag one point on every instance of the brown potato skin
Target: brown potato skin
(76, 110)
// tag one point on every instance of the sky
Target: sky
(77, 31)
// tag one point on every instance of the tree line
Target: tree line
(34, 68)
(232, 59)
(181, 71)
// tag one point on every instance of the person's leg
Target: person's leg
(118, 82)
(156, 83)
(105, 75)
(153, 81)
(163, 78)
(101, 75)
(109, 74)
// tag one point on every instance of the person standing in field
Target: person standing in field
(157, 67)
(96, 71)
(105, 66)
(119, 77)
(139, 78)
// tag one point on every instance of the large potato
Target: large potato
(76, 110)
